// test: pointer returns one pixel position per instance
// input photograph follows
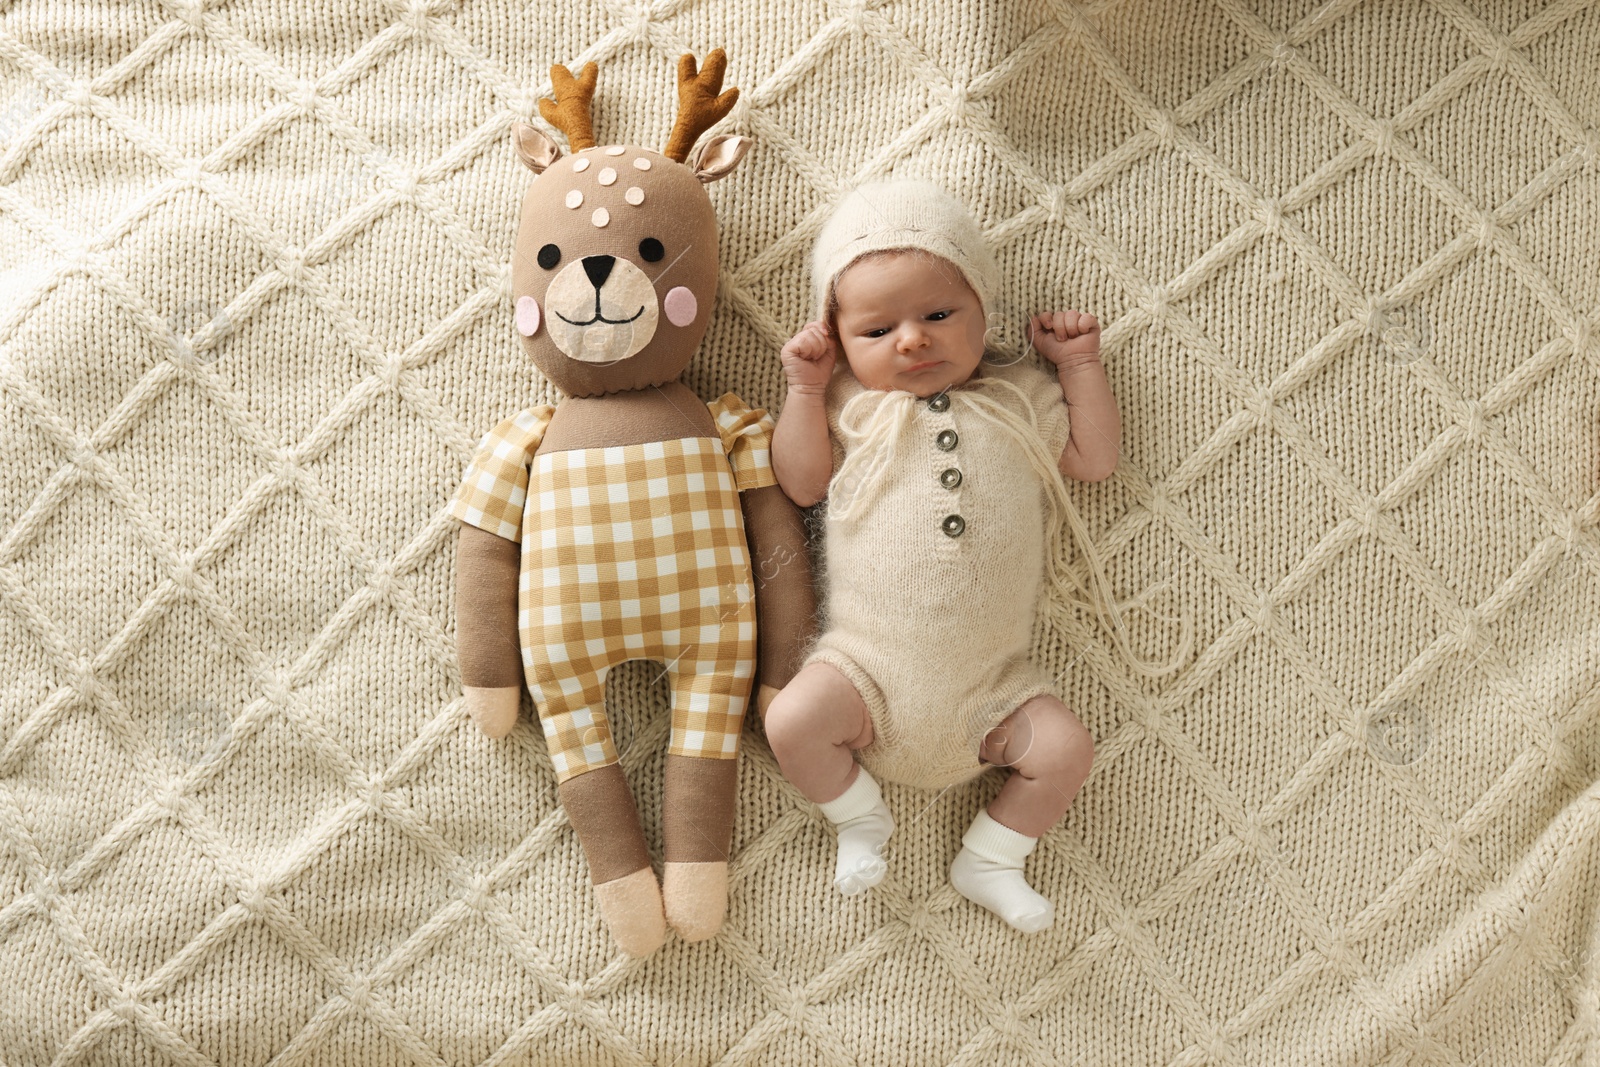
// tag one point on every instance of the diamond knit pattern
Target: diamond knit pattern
(255, 314)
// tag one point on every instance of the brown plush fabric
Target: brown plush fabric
(697, 805)
(601, 809)
(676, 211)
(660, 413)
(486, 609)
(786, 603)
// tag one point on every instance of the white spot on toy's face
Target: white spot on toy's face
(606, 176)
(604, 322)
(527, 316)
(574, 198)
(681, 306)
(641, 163)
(580, 165)
(634, 195)
(600, 217)
(616, 150)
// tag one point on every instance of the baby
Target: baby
(943, 474)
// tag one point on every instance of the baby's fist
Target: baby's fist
(808, 357)
(1066, 338)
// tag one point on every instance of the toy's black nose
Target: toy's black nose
(598, 268)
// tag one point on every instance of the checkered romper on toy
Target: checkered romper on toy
(628, 552)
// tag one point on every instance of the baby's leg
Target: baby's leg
(814, 725)
(1049, 751)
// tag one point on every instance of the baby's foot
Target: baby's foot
(988, 871)
(864, 826)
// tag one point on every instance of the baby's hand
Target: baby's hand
(1066, 338)
(808, 358)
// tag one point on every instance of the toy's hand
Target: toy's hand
(808, 357)
(1065, 338)
(494, 710)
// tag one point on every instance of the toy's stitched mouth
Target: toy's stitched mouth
(598, 317)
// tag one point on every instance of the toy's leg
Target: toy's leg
(600, 807)
(697, 806)
(710, 689)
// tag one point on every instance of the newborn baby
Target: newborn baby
(942, 471)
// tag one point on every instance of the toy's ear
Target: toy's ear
(720, 155)
(533, 147)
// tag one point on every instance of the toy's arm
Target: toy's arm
(785, 601)
(779, 563)
(486, 628)
(490, 504)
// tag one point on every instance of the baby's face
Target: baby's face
(908, 320)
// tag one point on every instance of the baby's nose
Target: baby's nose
(912, 338)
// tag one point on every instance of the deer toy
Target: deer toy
(632, 519)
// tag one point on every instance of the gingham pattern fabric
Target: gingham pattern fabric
(747, 438)
(495, 486)
(639, 552)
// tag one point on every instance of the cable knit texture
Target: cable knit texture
(254, 263)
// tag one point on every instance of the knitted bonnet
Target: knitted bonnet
(901, 213)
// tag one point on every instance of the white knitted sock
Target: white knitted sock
(988, 871)
(864, 827)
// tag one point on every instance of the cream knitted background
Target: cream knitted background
(255, 316)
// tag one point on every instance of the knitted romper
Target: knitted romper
(929, 588)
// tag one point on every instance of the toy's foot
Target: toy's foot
(631, 908)
(696, 897)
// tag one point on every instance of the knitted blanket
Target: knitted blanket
(254, 315)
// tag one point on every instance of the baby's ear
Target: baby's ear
(533, 147)
(720, 155)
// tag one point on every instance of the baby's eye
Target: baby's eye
(937, 315)
(879, 332)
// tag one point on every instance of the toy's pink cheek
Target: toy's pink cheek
(527, 316)
(681, 306)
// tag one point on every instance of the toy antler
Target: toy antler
(569, 112)
(699, 106)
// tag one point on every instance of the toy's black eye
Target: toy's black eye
(549, 256)
(651, 249)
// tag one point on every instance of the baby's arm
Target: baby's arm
(802, 455)
(1071, 341)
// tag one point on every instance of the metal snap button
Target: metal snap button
(953, 525)
(939, 402)
(950, 478)
(946, 440)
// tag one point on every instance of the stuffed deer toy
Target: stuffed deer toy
(632, 519)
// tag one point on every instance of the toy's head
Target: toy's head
(615, 267)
